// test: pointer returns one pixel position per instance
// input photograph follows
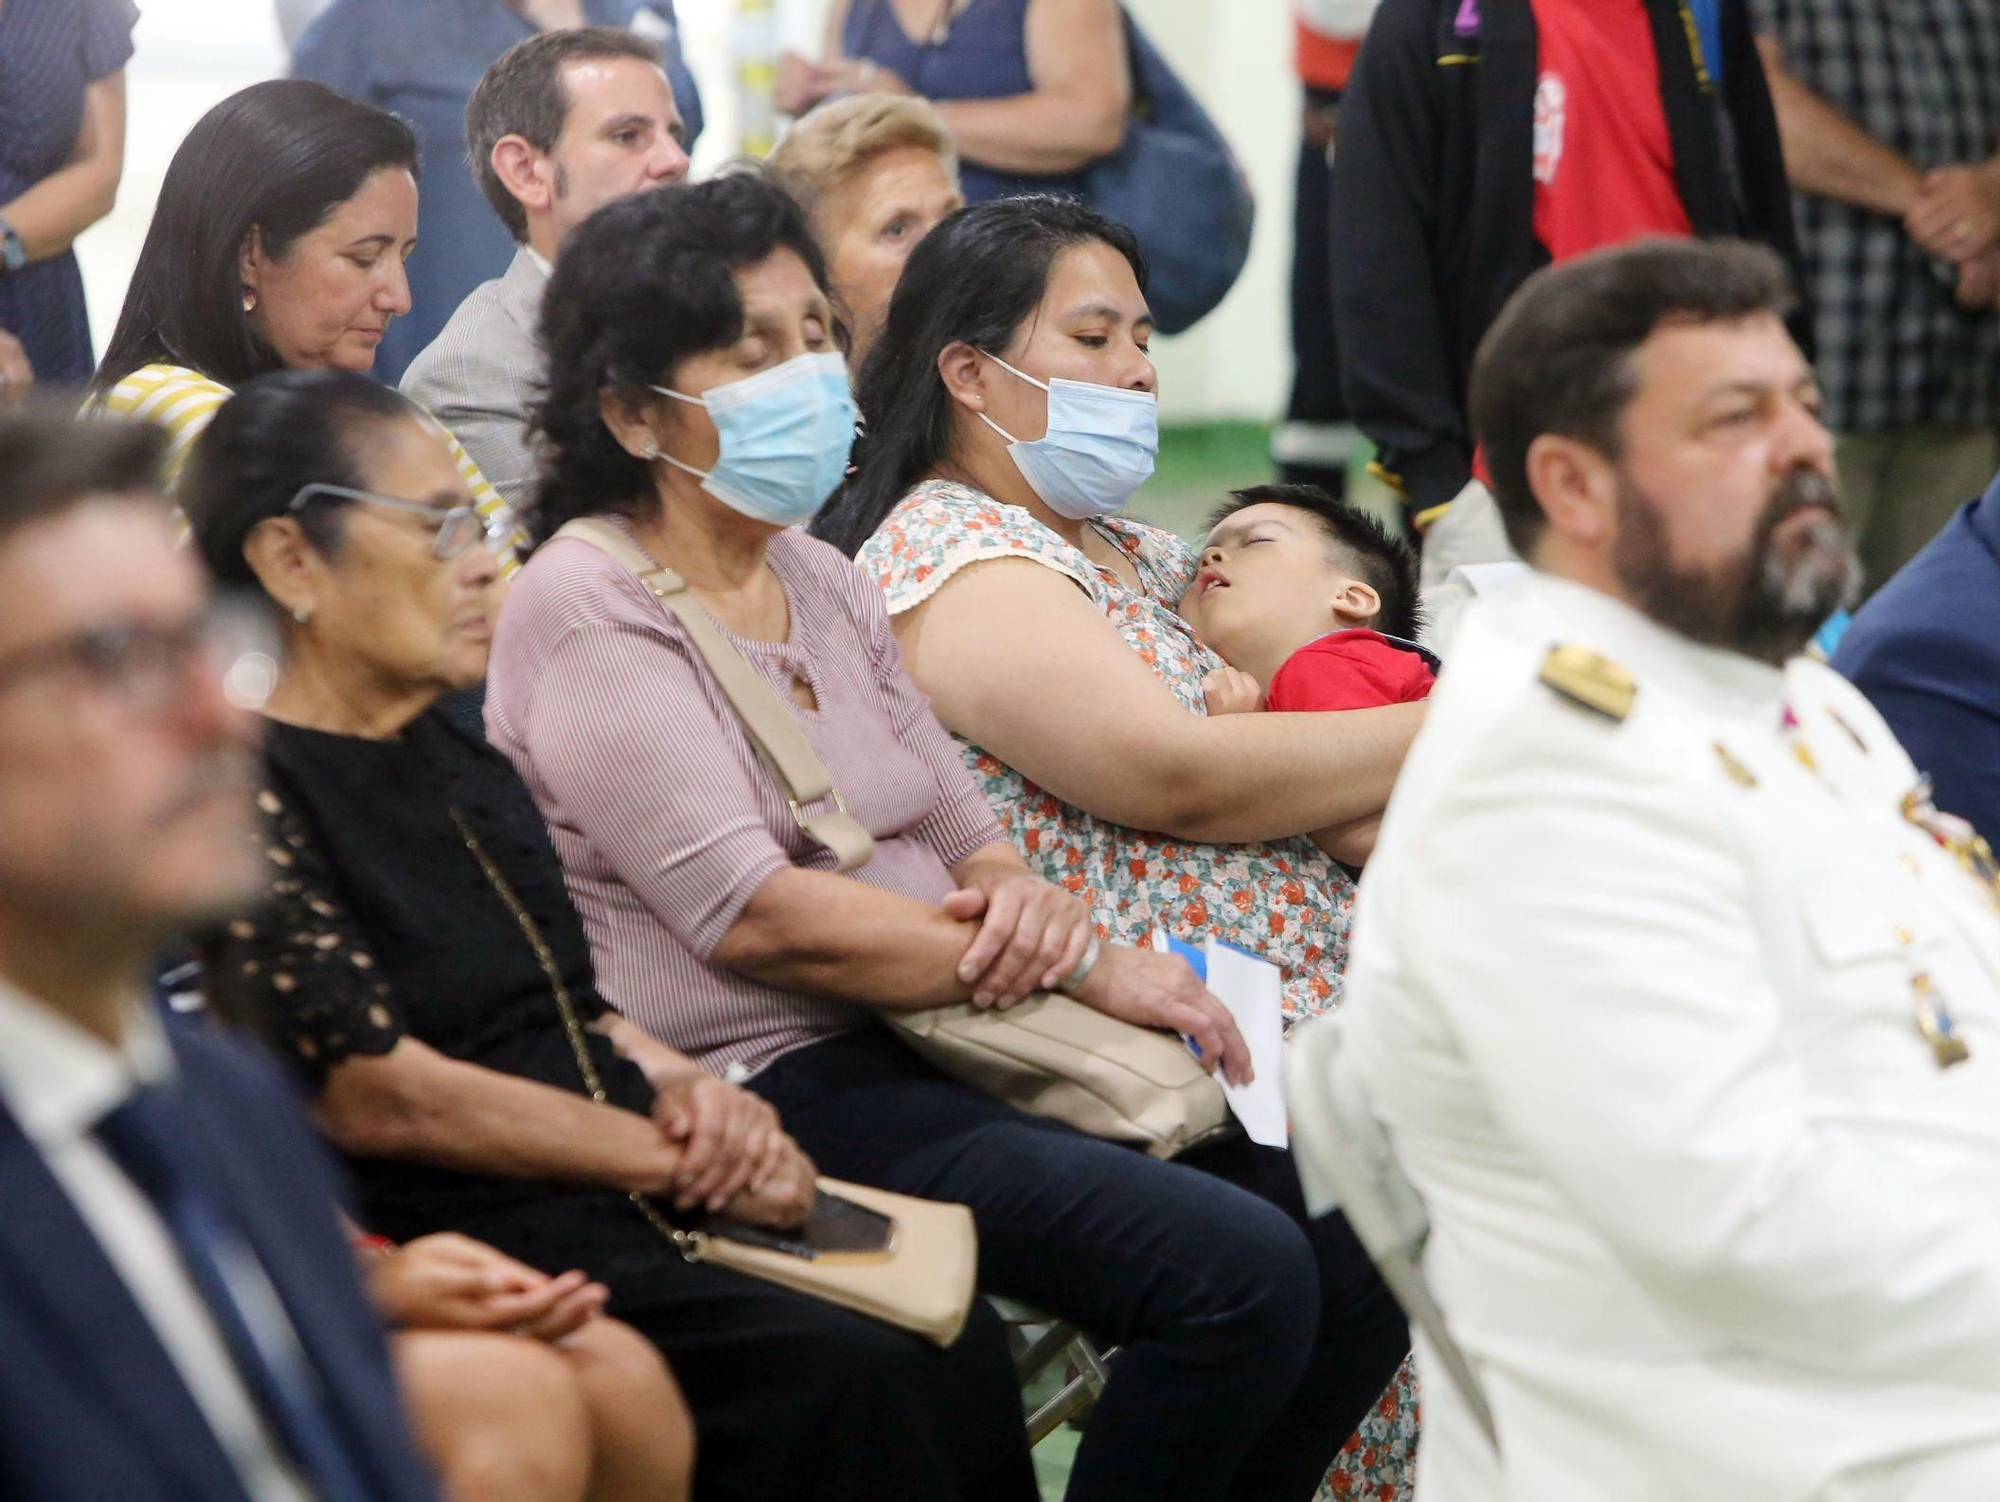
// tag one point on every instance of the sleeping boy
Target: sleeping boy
(1313, 606)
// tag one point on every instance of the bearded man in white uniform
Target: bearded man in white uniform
(1678, 1000)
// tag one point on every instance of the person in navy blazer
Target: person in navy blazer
(125, 795)
(91, 1408)
(1926, 651)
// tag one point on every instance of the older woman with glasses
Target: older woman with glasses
(420, 962)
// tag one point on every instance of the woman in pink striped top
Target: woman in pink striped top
(691, 400)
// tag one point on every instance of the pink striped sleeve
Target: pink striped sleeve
(623, 737)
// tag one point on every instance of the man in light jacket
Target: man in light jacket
(563, 124)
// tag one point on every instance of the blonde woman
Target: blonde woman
(876, 172)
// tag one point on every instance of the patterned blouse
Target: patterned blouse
(1285, 899)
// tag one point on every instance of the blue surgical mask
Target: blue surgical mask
(784, 434)
(1099, 448)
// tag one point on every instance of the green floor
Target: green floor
(1054, 1454)
(1200, 464)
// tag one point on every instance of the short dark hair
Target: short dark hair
(50, 460)
(1558, 359)
(977, 277)
(280, 433)
(523, 95)
(643, 284)
(1386, 563)
(277, 157)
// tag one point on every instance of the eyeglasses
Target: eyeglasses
(457, 528)
(145, 668)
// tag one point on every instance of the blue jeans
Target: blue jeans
(1253, 1340)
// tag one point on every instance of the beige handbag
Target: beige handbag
(919, 1272)
(922, 1281)
(1049, 1054)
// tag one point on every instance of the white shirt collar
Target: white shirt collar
(541, 262)
(59, 1080)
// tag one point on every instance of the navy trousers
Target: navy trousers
(1253, 1340)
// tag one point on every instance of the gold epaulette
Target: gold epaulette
(1595, 682)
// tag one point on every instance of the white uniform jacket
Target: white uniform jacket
(1635, 990)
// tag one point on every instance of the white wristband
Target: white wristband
(1070, 984)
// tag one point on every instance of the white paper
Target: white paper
(1252, 991)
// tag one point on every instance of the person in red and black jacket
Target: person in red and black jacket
(1482, 139)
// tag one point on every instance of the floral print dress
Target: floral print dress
(1285, 899)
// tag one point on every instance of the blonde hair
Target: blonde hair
(831, 143)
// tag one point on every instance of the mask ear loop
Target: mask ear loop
(657, 453)
(1019, 375)
(996, 427)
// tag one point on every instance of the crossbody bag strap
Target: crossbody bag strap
(772, 728)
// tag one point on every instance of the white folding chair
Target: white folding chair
(1345, 1163)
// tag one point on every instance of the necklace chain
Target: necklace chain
(689, 1243)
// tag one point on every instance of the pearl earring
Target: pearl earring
(650, 452)
(302, 615)
(249, 300)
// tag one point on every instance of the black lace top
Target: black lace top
(382, 925)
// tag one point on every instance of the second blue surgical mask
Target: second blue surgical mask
(784, 433)
(1099, 448)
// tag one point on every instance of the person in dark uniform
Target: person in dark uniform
(1316, 441)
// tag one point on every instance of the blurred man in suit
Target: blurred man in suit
(179, 1310)
(563, 124)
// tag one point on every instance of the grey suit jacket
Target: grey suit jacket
(484, 370)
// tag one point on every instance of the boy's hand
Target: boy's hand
(1230, 692)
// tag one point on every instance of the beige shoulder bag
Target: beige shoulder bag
(914, 1263)
(1050, 1054)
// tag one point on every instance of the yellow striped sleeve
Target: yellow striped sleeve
(183, 401)
(180, 400)
(502, 530)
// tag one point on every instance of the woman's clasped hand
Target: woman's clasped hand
(734, 1154)
(1033, 936)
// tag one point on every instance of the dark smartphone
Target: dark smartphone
(836, 1228)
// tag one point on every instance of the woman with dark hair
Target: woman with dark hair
(1011, 413)
(698, 404)
(278, 244)
(421, 964)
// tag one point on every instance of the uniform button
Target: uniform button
(1911, 864)
(1904, 935)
